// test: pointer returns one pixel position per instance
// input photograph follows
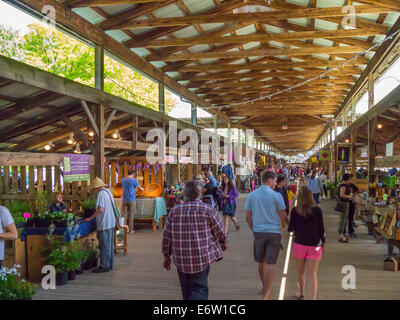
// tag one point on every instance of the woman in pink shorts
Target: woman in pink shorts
(309, 240)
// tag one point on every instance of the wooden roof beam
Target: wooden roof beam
(256, 53)
(251, 17)
(242, 39)
(105, 3)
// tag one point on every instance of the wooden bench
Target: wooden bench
(386, 229)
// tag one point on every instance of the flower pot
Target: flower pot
(61, 278)
(72, 275)
(44, 223)
(88, 265)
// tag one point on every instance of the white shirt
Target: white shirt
(5, 220)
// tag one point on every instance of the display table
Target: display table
(35, 240)
(151, 209)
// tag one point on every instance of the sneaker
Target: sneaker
(131, 232)
(100, 270)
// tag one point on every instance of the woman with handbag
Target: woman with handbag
(345, 197)
(229, 194)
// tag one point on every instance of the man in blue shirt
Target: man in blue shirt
(266, 217)
(129, 185)
(212, 179)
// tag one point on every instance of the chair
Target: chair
(124, 244)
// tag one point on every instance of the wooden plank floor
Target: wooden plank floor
(140, 274)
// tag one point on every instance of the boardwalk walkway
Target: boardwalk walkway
(140, 275)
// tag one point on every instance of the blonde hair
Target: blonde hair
(305, 201)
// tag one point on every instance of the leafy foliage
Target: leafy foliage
(58, 53)
(89, 204)
(12, 288)
(17, 209)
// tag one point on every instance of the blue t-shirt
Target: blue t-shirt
(264, 204)
(129, 186)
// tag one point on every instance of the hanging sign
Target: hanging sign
(76, 167)
(324, 155)
(314, 159)
(343, 155)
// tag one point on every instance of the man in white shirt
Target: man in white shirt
(105, 219)
(8, 231)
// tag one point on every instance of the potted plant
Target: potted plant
(57, 257)
(92, 256)
(332, 190)
(17, 210)
(84, 255)
(12, 288)
(89, 207)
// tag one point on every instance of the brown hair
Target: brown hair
(305, 201)
(268, 175)
(130, 171)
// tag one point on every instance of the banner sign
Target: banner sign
(76, 167)
(343, 155)
(389, 149)
(324, 155)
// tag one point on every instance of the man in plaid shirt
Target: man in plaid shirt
(193, 234)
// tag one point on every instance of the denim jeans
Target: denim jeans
(106, 246)
(316, 197)
(194, 286)
(352, 209)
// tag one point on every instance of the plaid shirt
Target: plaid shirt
(191, 234)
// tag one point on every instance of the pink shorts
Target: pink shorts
(306, 252)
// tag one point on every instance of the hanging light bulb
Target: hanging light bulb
(347, 140)
(71, 139)
(116, 134)
(380, 126)
(48, 146)
(77, 149)
(284, 126)
(91, 133)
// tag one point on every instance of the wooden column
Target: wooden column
(353, 152)
(335, 163)
(194, 114)
(99, 67)
(161, 97)
(371, 150)
(99, 139)
(99, 144)
(371, 98)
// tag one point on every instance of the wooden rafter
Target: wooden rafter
(251, 17)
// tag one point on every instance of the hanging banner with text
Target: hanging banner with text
(76, 167)
(343, 155)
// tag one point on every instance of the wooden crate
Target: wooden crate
(35, 243)
(14, 253)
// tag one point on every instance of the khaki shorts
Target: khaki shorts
(267, 247)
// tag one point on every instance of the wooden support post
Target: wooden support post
(135, 126)
(354, 134)
(194, 114)
(371, 98)
(99, 144)
(99, 67)
(371, 150)
(161, 97)
(335, 163)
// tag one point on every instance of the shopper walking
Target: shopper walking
(323, 179)
(229, 194)
(352, 209)
(266, 217)
(193, 235)
(8, 230)
(129, 185)
(307, 223)
(345, 196)
(282, 189)
(105, 220)
(315, 184)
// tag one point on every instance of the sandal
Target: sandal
(299, 297)
(237, 227)
(344, 240)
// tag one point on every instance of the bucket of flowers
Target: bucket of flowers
(13, 288)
